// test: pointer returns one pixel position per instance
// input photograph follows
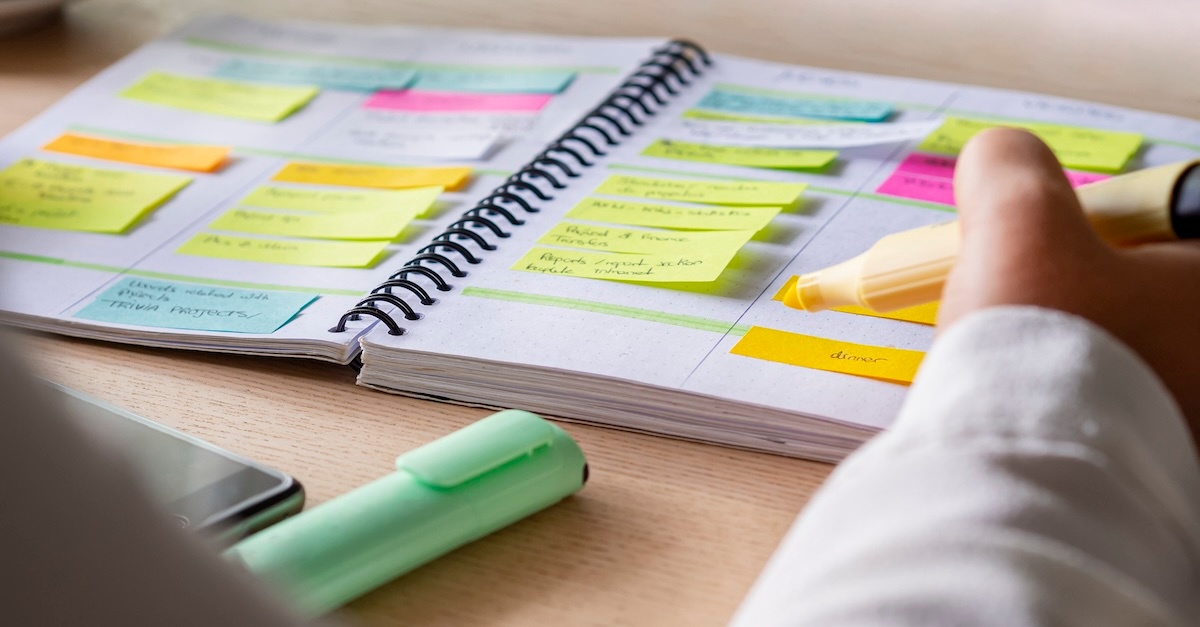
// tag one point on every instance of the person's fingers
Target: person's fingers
(1025, 240)
(1011, 192)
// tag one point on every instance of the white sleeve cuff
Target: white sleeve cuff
(1032, 374)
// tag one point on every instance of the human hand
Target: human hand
(1025, 241)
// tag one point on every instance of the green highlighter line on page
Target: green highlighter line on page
(443, 495)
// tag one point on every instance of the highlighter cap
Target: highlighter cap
(1185, 205)
(478, 448)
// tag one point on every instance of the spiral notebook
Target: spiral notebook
(593, 229)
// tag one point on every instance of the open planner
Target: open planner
(589, 228)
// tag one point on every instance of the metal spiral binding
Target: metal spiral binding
(660, 78)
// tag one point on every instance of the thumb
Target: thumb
(1013, 198)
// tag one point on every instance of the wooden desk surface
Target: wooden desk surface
(666, 533)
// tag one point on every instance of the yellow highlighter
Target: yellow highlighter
(909, 268)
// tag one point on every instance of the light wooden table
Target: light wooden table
(666, 533)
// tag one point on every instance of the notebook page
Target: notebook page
(683, 338)
(51, 275)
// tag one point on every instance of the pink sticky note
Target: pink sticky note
(928, 165)
(424, 100)
(930, 178)
(1083, 178)
(917, 187)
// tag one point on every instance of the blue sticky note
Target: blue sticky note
(340, 77)
(784, 106)
(499, 81)
(175, 305)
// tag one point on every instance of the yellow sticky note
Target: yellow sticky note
(921, 314)
(236, 99)
(417, 200)
(19, 213)
(1075, 147)
(737, 193)
(353, 225)
(673, 216)
(777, 158)
(618, 240)
(660, 268)
(877, 362)
(287, 252)
(382, 177)
(174, 156)
(52, 195)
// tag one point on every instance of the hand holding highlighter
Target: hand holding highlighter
(910, 268)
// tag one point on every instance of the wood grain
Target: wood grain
(666, 533)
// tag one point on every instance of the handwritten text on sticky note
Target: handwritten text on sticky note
(286, 252)
(346, 78)
(618, 240)
(752, 157)
(175, 305)
(795, 106)
(738, 193)
(877, 362)
(50, 195)
(382, 177)
(699, 267)
(421, 100)
(417, 200)
(176, 156)
(250, 101)
(353, 225)
(673, 216)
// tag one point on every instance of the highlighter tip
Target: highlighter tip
(806, 294)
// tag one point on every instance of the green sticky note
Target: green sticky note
(700, 267)
(801, 106)
(1076, 147)
(175, 305)
(50, 195)
(731, 193)
(351, 225)
(546, 82)
(346, 78)
(673, 216)
(249, 101)
(417, 200)
(617, 240)
(778, 158)
(286, 252)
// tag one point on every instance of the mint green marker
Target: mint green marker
(443, 495)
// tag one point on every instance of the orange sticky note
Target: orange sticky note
(174, 156)
(381, 177)
(895, 365)
(921, 314)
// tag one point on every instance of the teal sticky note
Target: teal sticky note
(177, 305)
(339, 77)
(546, 82)
(795, 107)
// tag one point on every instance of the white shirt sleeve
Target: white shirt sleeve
(1038, 474)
